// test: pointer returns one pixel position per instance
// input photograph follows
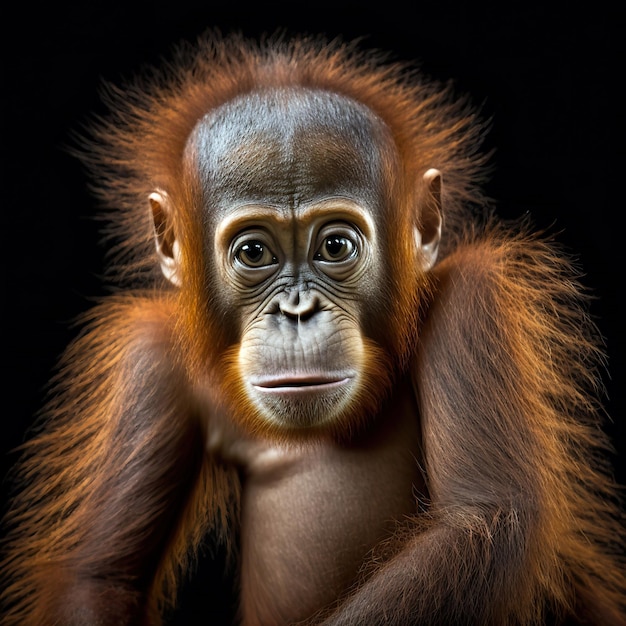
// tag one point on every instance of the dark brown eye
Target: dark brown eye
(255, 254)
(335, 249)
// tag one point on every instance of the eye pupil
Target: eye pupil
(253, 251)
(336, 246)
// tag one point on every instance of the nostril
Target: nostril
(304, 315)
(290, 314)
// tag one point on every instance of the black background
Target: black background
(551, 81)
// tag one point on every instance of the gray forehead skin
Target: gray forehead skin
(290, 147)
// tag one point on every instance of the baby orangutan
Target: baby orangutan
(329, 354)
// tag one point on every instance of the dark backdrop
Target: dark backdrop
(551, 81)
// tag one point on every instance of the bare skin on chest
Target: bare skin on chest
(311, 515)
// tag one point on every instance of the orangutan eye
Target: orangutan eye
(335, 249)
(255, 253)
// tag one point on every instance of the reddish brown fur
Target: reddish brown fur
(522, 517)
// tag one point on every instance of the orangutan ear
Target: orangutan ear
(428, 231)
(168, 248)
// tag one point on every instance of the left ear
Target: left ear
(167, 246)
(428, 234)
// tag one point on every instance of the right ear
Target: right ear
(428, 235)
(167, 246)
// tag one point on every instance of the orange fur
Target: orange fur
(525, 330)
